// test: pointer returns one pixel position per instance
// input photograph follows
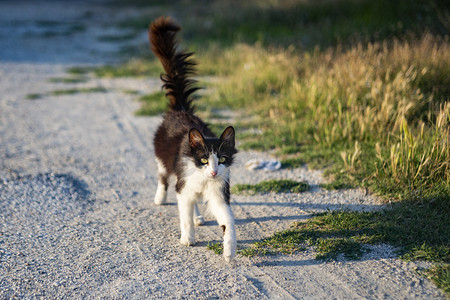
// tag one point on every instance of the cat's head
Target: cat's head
(213, 155)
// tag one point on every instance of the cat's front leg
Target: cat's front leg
(186, 210)
(224, 215)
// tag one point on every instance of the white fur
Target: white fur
(161, 193)
(200, 183)
(198, 218)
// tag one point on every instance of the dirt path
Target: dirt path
(77, 178)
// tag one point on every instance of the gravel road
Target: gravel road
(77, 178)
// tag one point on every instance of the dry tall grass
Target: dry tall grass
(384, 104)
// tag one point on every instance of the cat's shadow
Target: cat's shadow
(260, 219)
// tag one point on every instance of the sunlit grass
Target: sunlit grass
(152, 104)
(374, 115)
(363, 109)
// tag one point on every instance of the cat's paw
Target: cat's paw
(199, 221)
(229, 254)
(229, 245)
(187, 241)
(160, 198)
(229, 258)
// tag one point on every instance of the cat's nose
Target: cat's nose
(213, 173)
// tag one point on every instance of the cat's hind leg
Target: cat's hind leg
(198, 218)
(163, 184)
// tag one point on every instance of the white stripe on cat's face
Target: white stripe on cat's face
(214, 169)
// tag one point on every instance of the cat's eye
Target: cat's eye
(222, 160)
(204, 160)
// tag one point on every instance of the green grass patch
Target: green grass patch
(336, 185)
(33, 96)
(71, 91)
(132, 68)
(68, 80)
(329, 248)
(275, 186)
(79, 70)
(152, 104)
(292, 163)
(216, 247)
(130, 92)
(78, 90)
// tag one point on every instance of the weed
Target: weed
(79, 70)
(68, 79)
(130, 92)
(33, 96)
(216, 247)
(68, 92)
(78, 90)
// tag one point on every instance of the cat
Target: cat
(187, 148)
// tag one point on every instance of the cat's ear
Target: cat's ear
(228, 136)
(196, 138)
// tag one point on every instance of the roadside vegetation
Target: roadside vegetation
(274, 186)
(360, 88)
(70, 91)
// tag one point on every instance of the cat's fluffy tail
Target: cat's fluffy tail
(178, 65)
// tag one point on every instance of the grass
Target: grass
(300, 23)
(33, 96)
(68, 80)
(374, 115)
(131, 68)
(217, 248)
(78, 90)
(152, 104)
(360, 88)
(440, 275)
(275, 186)
(368, 118)
(418, 233)
(71, 91)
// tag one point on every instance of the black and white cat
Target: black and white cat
(186, 147)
